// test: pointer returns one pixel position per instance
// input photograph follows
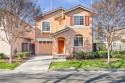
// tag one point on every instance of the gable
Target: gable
(80, 7)
(50, 14)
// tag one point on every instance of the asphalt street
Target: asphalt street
(75, 76)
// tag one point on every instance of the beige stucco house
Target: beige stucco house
(119, 44)
(61, 31)
(23, 43)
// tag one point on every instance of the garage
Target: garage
(45, 46)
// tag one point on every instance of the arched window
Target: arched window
(78, 40)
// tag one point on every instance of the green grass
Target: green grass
(88, 64)
(5, 65)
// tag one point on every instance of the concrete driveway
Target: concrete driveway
(38, 63)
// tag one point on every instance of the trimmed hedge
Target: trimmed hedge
(118, 54)
(1, 55)
(20, 55)
(85, 55)
(24, 54)
(30, 52)
(99, 54)
(102, 54)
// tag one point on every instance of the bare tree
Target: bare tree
(111, 15)
(14, 18)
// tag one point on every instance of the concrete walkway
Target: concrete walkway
(38, 63)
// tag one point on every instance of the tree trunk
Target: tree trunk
(10, 59)
(108, 55)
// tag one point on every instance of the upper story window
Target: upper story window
(78, 20)
(46, 26)
(78, 40)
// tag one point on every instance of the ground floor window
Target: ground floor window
(78, 40)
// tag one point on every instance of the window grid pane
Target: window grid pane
(78, 41)
(46, 26)
(78, 20)
(75, 41)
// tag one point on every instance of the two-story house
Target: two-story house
(61, 31)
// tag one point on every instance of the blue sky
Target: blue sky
(46, 4)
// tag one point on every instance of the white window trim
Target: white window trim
(42, 26)
(83, 19)
(78, 46)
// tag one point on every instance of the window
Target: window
(78, 20)
(45, 26)
(78, 41)
(114, 44)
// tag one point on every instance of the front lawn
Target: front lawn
(5, 65)
(88, 64)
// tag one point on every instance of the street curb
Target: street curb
(113, 70)
(5, 70)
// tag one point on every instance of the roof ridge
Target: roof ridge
(54, 10)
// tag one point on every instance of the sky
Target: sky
(46, 4)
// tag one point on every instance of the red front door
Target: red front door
(60, 46)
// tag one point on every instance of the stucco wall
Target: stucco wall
(18, 44)
(4, 48)
(69, 41)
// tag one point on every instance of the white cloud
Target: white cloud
(73, 1)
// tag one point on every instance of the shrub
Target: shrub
(20, 55)
(114, 54)
(85, 55)
(118, 54)
(1, 55)
(88, 55)
(102, 54)
(95, 54)
(25, 54)
(78, 55)
(30, 52)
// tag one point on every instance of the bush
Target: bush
(95, 54)
(99, 54)
(1, 55)
(20, 55)
(118, 54)
(102, 54)
(30, 52)
(78, 55)
(85, 55)
(25, 54)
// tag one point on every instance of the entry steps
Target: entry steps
(59, 58)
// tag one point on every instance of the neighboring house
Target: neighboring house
(119, 45)
(22, 44)
(61, 31)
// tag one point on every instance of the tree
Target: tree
(14, 16)
(111, 15)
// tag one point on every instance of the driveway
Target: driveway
(38, 63)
